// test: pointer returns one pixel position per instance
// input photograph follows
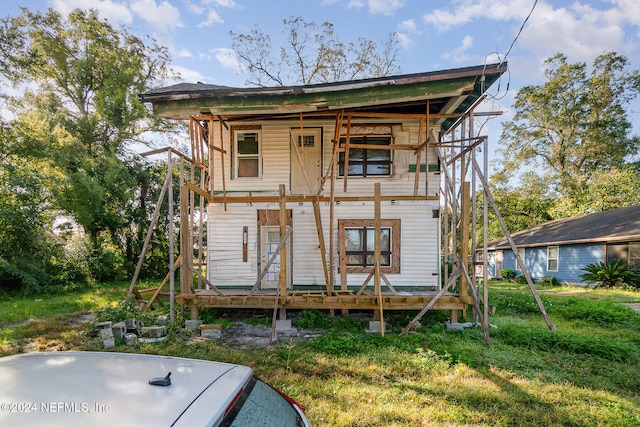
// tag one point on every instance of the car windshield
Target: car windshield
(261, 405)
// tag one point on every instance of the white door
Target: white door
(306, 161)
(270, 239)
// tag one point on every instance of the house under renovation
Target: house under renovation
(331, 196)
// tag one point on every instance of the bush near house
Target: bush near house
(616, 273)
(507, 274)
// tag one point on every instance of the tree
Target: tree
(573, 129)
(312, 54)
(78, 113)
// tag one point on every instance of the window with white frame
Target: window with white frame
(247, 153)
(357, 245)
(634, 255)
(521, 253)
(366, 160)
(553, 253)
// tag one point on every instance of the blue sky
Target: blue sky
(434, 34)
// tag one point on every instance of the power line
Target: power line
(519, 32)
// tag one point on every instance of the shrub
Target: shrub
(617, 273)
(521, 280)
(507, 274)
(549, 281)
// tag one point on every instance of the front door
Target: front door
(270, 239)
(306, 160)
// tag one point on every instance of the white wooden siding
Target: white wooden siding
(419, 230)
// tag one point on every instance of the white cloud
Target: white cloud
(187, 74)
(385, 7)
(228, 59)
(164, 16)
(182, 53)
(470, 10)
(110, 10)
(212, 18)
(458, 54)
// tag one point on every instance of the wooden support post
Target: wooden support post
(283, 251)
(464, 236)
(186, 281)
(323, 252)
(514, 249)
(416, 181)
(377, 243)
(346, 152)
(172, 265)
(145, 246)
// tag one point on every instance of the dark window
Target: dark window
(366, 161)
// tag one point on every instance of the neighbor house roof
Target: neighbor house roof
(613, 225)
(449, 92)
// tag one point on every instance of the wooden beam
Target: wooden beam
(376, 256)
(283, 252)
(512, 244)
(152, 226)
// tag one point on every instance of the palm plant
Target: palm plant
(616, 273)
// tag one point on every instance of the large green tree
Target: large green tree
(312, 53)
(77, 114)
(574, 134)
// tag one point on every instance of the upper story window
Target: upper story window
(367, 160)
(247, 154)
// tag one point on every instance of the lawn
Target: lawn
(585, 374)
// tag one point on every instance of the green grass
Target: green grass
(585, 374)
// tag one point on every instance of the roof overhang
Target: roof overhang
(449, 92)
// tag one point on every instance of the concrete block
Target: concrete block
(103, 325)
(192, 325)
(162, 320)
(457, 326)
(211, 333)
(119, 329)
(375, 327)
(130, 339)
(133, 325)
(153, 331)
(107, 338)
(283, 325)
(211, 326)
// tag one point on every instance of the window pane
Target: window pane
(247, 143)
(354, 239)
(384, 239)
(309, 140)
(553, 251)
(354, 169)
(634, 250)
(354, 259)
(374, 169)
(385, 260)
(553, 265)
(378, 155)
(248, 168)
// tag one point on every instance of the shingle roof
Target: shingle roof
(612, 225)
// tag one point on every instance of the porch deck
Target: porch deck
(321, 300)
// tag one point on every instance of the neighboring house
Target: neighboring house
(311, 156)
(563, 247)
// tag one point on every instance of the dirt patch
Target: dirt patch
(634, 306)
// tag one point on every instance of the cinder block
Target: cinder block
(119, 329)
(133, 325)
(103, 325)
(283, 325)
(153, 331)
(162, 320)
(192, 325)
(375, 326)
(107, 338)
(130, 339)
(211, 333)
